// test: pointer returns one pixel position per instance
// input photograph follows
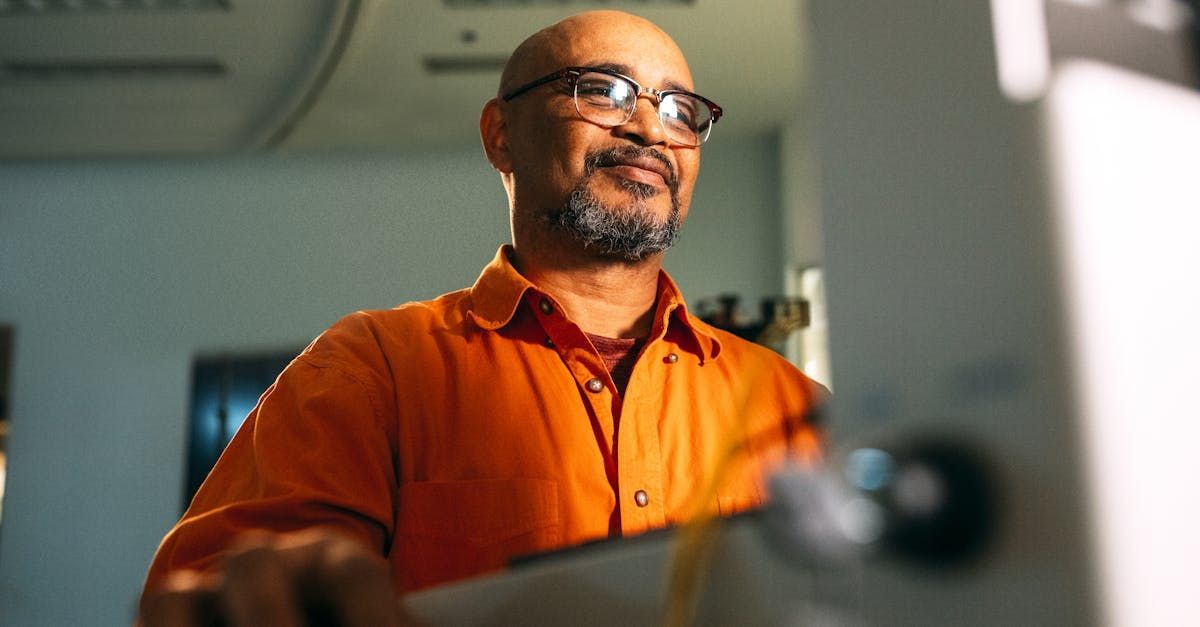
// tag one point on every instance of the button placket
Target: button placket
(568, 340)
(639, 464)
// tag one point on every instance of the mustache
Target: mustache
(623, 154)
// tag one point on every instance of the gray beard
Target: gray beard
(626, 233)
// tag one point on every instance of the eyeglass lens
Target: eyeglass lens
(610, 100)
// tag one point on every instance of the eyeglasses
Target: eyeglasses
(609, 99)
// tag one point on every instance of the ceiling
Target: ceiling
(133, 77)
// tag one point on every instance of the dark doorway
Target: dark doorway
(224, 390)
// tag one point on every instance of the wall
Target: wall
(117, 273)
(800, 192)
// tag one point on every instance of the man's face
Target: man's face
(628, 183)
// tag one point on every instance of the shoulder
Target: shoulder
(746, 358)
(372, 338)
(446, 312)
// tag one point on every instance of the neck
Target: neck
(606, 297)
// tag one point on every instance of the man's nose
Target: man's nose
(643, 127)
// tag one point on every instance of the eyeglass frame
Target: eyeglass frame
(571, 76)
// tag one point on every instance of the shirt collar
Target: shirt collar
(500, 288)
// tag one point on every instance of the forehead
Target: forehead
(632, 47)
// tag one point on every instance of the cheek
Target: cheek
(537, 147)
(544, 172)
(689, 167)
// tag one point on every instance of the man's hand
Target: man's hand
(305, 578)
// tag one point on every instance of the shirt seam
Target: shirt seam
(376, 414)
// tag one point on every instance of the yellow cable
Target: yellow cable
(695, 539)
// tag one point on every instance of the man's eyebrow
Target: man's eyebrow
(621, 68)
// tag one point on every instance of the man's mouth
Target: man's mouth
(639, 174)
(646, 169)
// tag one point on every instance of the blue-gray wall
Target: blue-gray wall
(115, 274)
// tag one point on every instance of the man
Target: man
(567, 396)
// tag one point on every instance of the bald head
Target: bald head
(585, 39)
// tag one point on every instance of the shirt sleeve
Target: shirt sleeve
(317, 451)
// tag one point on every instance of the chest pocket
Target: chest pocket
(449, 530)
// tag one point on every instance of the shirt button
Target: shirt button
(641, 498)
(672, 358)
(595, 385)
(546, 307)
(548, 342)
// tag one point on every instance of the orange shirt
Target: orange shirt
(454, 434)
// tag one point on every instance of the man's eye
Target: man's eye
(678, 112)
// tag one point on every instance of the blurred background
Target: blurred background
(187, 185)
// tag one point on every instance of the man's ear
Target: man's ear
(493, 130)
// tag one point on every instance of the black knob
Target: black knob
(941, 503)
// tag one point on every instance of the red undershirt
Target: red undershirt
(619, 355)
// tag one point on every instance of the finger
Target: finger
(175, 607)
(186, 600)
(347, 581)
(257, 589)
(360, 589)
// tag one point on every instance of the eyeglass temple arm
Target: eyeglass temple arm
(538, 83)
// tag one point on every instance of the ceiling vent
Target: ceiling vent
(111, 69)
(9, 8)
(464, 64)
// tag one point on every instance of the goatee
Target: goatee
(627, 232)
